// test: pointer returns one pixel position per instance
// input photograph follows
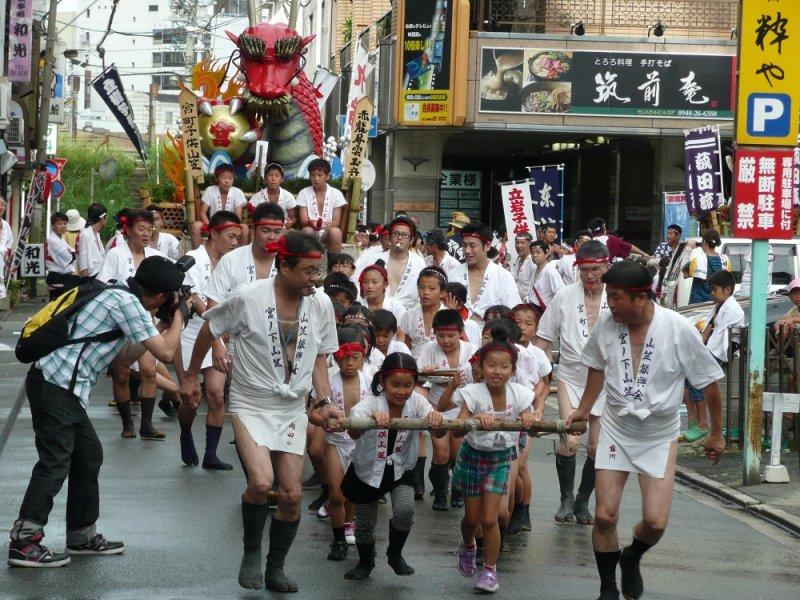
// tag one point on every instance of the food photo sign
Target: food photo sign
(613, 83)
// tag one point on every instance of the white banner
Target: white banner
(358, 82)
(518, 209)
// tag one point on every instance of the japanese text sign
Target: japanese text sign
(109, 87)
(768, 104)
(193, 157)
(40, 191)
(547, 195)
(357, 150)
(362, 69)
(762, 193)
(518, 208)
(703, 170)
(32, 264)
(20, 32)
(459, 191)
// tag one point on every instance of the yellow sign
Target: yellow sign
(190, 127)
(768, 90)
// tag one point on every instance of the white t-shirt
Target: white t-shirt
(730, 314)
(60, 258)
(497, 287)
(118, 264)
(285, 200)
(478, 400)
(213, 199)
(523, 270)
(397, 346)
(333, 199)
(91, 251)
(673, 352)
(532, 365)
(545, 286)
(236, 268)
(168, 245)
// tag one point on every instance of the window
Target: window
(169, 117)
(169, 36)
(166, 82)
(153, 8)
(88, 14)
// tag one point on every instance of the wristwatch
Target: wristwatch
(323, 402)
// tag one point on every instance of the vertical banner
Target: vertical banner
(762, 193)
(361, 69)
(109, 87)
(20, 34)
(675, 211)
(547, 194)
(703, 170)
(40, 192)
(193, 158)
(58, 85)
(357, 151)
(517, 208)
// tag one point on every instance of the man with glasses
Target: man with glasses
(283, 331)
(570, 316)
(402, 265)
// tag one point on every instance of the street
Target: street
(182, 529)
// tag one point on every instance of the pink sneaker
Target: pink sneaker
(324, 511)
(466, 560)
(350, 533)
(487, 581)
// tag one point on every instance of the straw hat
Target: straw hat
(459, 220)
(75, 222)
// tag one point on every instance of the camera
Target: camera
(166, 310)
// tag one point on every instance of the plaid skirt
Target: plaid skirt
(479, 472)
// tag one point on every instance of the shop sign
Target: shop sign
(32, 264)
(675, 211)
(762, 193)
(609, 83)
(20, 34)
(357, 150)
(769, 69)
(424, 42)
(518, 209)
(703, 170)
(459, 191)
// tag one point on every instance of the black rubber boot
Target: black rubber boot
(515, 520)
(607, 568)
(254, 517)
(146, 429)
(565, 467)
(440, 480)
(366, 561)
(631, 579)
(397, 539)
(124, 410)
(281, 536)
(585, 489)
(419, 478)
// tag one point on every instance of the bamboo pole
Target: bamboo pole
(367, 423)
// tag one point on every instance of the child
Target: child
(348, 387)
(415, 327)
(484, 461)
(497, 311)
(340, 289)
(448, 351)
(385, 324)
(455, 296)
(274, 193)
(383, 462)
(342, 263)
(222, 196)
(373, 283)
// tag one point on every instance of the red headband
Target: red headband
(464, 312)
(474, 358)
(591, 261)
(638, 290)
(511, 351)
(269, 223)
(475, 234)
(377, 268)
(283, 252)
(126, 222)
(205, 228)
(348, 349)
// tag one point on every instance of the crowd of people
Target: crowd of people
(427, 326)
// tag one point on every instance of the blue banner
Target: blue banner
(676, 211)
(547, 194)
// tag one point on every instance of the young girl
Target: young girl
(415, 327)
(383, 462)
(348, 387)
(484, 461)
(448, 351)
(373, 283)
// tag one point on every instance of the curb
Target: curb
(752, 505)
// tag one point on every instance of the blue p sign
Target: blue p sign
(768, 115)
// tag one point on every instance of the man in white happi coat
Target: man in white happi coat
(225, 231)
(487, 283)
(283, 331)
(523, 268)
(59, 258)
(640, 353)
(566, 264)
(569, 318)
(90, 249)
(546, 280)
(438, 256)
(402, 265)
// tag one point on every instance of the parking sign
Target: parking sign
(768, 105)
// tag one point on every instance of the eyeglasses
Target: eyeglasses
(400, 235)
(311, 271)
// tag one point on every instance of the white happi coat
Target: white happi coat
(412, 324)
(566, 320)
(198, 278)
(478, 400)
(433, 356)
(6, 245)
(544, 285)
(59, 256)
(118, 263)
(333, 200)
(213, 199)
(497, 287)
(730, 314)
(449, 265)
(370, 454)
(523, 270)
(285, 200)
(91, 252)
(168, 245)
(272, 411)
(640, 420)
(406, 291)
(236, 268)
(341, 439)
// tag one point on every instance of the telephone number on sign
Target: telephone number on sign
(698, 113)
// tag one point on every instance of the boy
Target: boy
(222, 196)
(274, 193)
(320, 206)
(385, 324)
(340, 289)
(455, 297)
(342, 263)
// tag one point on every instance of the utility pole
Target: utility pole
(253, 12)
(293, 14)
(191, 38)
(47, 83)
(151, 119)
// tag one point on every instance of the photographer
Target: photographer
(58, 387)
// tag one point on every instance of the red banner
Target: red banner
(762, 193)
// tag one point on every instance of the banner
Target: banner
(675, 211)
(611, 83)
(193, 158)
(20, 32)
(109, 87)
(357, 150)
(702, 157)
(762, 197)
(40, 192)
(517, 207)
(361, 69)
(547, 194)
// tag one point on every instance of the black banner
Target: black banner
(608, 83)
(110, 89)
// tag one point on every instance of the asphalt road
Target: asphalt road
(182, 529)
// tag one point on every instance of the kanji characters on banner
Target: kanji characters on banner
(518, 209)
(547, 194)
(703, 170)
(763, 190)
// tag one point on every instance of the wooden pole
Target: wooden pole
(367, 423)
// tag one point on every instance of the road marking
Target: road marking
(5, 348)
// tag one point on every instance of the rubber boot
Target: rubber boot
(210, 460)
(281, 536)
(585, 489)
(168, 404)
(124, 410)
(188, 450)
(419, 478)
(565, 467)
(607, 568)
(397, 539)
(146, 429)
(515, 520)
(254, 517)
(631, 579)
(440, 480)
(366, 561)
